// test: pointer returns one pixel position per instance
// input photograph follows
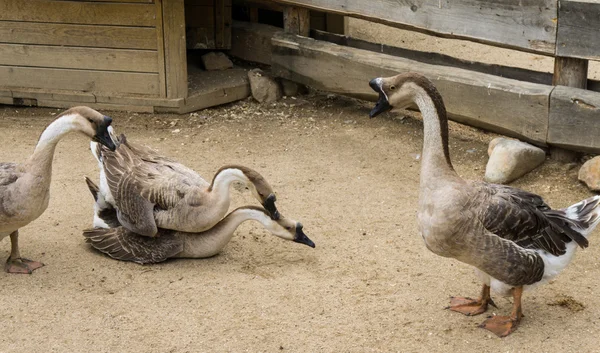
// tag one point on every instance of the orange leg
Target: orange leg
(469, 306)
(503, 326)
(15, 263)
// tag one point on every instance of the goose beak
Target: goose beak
(383, 104)
(301, 238)
(269, 205)
(103, 136)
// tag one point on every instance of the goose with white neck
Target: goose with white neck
(25, 187)
(150, 191)
(512, 237)
(122, 244)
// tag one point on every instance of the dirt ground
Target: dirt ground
(370, 285)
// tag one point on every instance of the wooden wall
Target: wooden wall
(208, 24)
(88, 46)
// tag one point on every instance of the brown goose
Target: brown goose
(25, 187)
(122, 244)
(512, 238)
(150, 191)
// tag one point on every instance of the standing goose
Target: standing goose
(150, 191)
(512, 238)
(25, 187)
(122, 244)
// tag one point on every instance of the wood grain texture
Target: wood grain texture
(511, 107)
(296, 20)
(78, 58)
(526, 25)
(210, 88)
(570, 72)
(574, 119)
(578, 28)
(78, 35)
(78, 12)
(160, 53)
(79, 80)
(252, 41)
(175, 48)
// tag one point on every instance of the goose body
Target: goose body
(122, 244)
(512, 237)
(150, 191)
(25, 187)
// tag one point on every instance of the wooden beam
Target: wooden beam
(78, 12)
(78, 58)
(175, 49)
(525, 25)
(212, 88)
(78, 35)
(296, 20)
(252, 41)
(578, 28)
(574, 119)
(570, 72)
(507, 106)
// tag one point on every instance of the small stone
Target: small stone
(291, 88)
(590, 173)
(511, 159)
(214, 61)
(265, 89)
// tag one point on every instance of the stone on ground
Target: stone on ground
(511, 159)
(265, 88)
(214, 61)
(291, 88)
(590, 173)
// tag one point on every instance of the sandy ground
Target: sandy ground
(369, 286)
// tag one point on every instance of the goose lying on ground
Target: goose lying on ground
(25, 187)
(150, 191)
(122, 244)
(510, 236)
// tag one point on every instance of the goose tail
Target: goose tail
(583, 216)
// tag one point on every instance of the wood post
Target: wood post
(569, 72)
(175, 48)
(296, 20)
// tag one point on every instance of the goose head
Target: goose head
(396, 92)
(92, 124)
(288, 229)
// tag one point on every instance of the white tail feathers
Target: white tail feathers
(584, 215)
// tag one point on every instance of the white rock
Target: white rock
(590, 173)
(216, 61)
(511, 159)
(265, 89)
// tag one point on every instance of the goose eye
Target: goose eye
(392, 87)
(288, 228)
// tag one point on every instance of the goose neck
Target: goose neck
(41, 159)
(223, 180)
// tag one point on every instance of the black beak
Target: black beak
(269, 205)
(301, 238)
(102, 136)
(383, 105)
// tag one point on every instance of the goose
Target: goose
(121, 244)
(150, 191)
(25, 187)
(512, 237)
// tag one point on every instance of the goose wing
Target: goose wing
(524, 219)
(122, 244)
(8, 177)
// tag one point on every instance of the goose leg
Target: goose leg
(503, 326)
(469, 306)
(15, 263)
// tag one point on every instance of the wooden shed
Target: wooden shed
(114, 54)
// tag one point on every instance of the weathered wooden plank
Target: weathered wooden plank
(99, 106)
(78, 58)
(526, 25)
(162, 79)
(200, 16)
(223, 24)
(296, 20)
(175, 48)
(141, 101)
(574, 119)
(578, 28)
(62, 95)
(499, 104)
(5, 92)
(130, 1)
(78, 35)
(78, 12)
(211, 88)
(252, 41)
(79, 80)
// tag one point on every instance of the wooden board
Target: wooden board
(211, 88)
(175, 48)
(78, 58)
(252, 41)
(79, 80)
(98, 106)
(78, 12)
(574, 119)
(78, 35)
(511, 107)
(578, 29)
(526, 25)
